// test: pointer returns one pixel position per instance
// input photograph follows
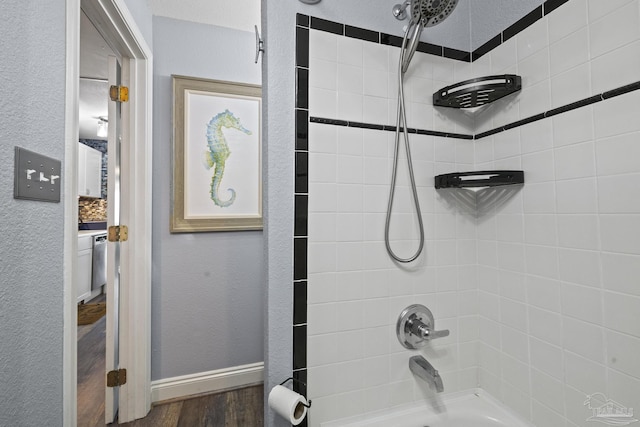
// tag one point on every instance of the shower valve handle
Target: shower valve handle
(416, 327)
(421, 329)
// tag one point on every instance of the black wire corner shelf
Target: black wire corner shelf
(479, 179)
(477, 92)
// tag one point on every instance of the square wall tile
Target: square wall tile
(576, 196)
(620, 273)
(567, 19)
(618, 155)
(616, 68)
(581, 267)
(570, 86)
(575, 161)
(569, 52)
(620, 233)
(617, 115)
(584, 339)
(621, 313)
(626, 20)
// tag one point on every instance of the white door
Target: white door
(113, 248)
(129, 307)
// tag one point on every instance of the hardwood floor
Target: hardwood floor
(91, 373)
(235, 408)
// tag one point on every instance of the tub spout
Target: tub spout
(424, 370)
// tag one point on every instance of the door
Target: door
(132, 325)
(114, 149)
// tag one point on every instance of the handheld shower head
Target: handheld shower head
(424, 13)
(435, 11)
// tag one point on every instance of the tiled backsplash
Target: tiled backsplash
(90, 209)
(539, 290)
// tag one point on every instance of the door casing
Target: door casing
(116, 24)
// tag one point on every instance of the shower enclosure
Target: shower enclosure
(537, 284)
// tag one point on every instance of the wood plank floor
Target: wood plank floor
(235, 408)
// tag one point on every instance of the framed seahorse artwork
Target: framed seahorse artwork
(217, 174)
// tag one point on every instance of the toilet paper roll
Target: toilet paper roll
(288, 404)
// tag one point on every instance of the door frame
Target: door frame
(117, 25)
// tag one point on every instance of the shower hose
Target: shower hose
(401, 126)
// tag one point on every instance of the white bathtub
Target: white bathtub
(474, 408)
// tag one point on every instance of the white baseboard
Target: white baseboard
(207, 382)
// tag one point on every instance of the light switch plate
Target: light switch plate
(36, 177)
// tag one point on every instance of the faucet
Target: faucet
(425, 370)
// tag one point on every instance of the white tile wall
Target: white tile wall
(581, 222)
(353, 285)
(540, 293)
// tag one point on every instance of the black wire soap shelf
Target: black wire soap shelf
(479, 179)
(477, 92)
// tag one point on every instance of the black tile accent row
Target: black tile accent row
(551, 5)
(300, 385)
(302, 88)
(621, 90)
(301, 182)
(460, 55)
(362, 34)
(302, 47)
(523, 23)
(300, 347)
(328, 121)
(563, 109)
(301, 197)
(299, 258)
(299, 303)
(390, 128)
(302, 20)
(301, 215)
(327, 26)
(302, 129)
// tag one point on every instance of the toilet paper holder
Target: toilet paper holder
(299, 382)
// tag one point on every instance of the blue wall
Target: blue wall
(207, 298)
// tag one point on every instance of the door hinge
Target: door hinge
(118, 233)
(116, 378)
(119, 93)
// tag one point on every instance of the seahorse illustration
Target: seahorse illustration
(219, 152)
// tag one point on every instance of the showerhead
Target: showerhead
(424, 13)
(433, 12)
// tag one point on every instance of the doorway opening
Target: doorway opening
(130, 347)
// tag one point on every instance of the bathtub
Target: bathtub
(474, 408)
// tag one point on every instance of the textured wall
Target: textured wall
(32, 84)
(208, 288)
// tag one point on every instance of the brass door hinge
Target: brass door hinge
(118, 233)
(119, 93)
(116, 378)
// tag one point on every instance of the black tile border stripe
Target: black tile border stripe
(550, 113)
(459, 55)
(389, 128)
(523, 23)
(361, 34)
(563, 109)
(327, 26)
